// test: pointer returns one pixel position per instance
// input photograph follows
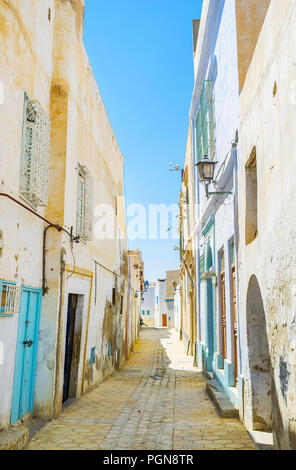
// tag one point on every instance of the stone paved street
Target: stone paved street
(156, 401)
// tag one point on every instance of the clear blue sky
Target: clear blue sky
(141, 55)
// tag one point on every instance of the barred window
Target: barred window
(35, 154)
(205, 136)
(84, 204)
(9, 298)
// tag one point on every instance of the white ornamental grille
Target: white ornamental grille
(89, 206)
(85, 208)
(10, 301)
(35, 158)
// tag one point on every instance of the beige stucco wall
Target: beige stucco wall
(25, 65)
(268, 116)
(44, 55)
(188, 316)
(81, 132)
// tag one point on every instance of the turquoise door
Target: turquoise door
(26, 353)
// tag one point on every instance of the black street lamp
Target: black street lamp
(206, 169)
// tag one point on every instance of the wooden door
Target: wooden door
(234, 317)
(72, 347)
(223, 317)
(164, 320)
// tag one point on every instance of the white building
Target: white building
(177, 309)
(221, 60)
(148, 305)
(158, 304)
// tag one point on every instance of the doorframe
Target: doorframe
(83, 274)
(210, 311)
(18, 365)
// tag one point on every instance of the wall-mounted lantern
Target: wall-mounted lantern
(206, 169)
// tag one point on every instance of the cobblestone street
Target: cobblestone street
(156, 401)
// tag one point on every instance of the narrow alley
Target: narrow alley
(157, 401)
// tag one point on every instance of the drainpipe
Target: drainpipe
(50, 224)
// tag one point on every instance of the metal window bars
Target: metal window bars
(205, 135)
(85, 207)
(35, 154)
(10, 299)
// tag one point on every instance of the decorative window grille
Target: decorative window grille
(205, 135)
(10, 298)
(202, 266)
(35, 154)
(85, 204)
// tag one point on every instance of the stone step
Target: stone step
(223, 405)
(15, 438)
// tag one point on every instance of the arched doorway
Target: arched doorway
(210, 334)
(259, 359)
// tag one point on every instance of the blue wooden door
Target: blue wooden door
(26, 353)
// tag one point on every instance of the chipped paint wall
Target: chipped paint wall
(268, 116)
(25, 66)
(81, 133)
(188, 222)
(42, 53)
(136, 290)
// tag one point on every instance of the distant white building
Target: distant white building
(158, 301)
(148, 305)
(177, 309)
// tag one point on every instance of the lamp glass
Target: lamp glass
(206, 169)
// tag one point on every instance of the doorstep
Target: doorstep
(14, 438)
(223, 405)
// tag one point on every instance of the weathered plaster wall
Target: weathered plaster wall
(81, 132)
(267, 121)
(42, 53)
(189, 243)
(25, 66)
(250, 15)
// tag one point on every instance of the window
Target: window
(205, 138)
(35, 154)
(148, 312)
(143, 312)
(84, 204)
(113, 296)
(10, 298)
(202, 265)
(251, 198)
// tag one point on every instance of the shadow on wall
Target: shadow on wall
(259, 359)
(265, 390)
